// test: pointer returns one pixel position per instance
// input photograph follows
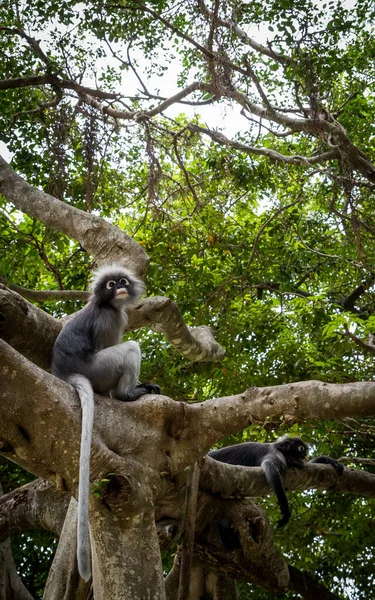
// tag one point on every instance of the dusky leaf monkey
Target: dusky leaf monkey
(274, 458)
(89, 355)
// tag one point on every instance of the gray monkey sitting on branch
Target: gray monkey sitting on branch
(89, 355)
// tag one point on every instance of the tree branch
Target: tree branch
(56, 82)
(308, 587)
(39, 330)
(188, 431)
(163, 315)
(29, 507)
(45, 295)
(240, 33)
(28, 329)
(52, 407)
(305, 161)
(103, 241)
(216, 419)
(349, 302)
(232, 480)
(360, 343)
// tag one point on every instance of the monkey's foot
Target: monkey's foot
(150, 388)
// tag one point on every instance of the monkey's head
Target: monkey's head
(115, 285)
(293, 447)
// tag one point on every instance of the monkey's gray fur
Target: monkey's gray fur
(88, 355)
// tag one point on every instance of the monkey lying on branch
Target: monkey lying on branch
(274, 458)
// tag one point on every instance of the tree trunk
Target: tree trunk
(126, 562)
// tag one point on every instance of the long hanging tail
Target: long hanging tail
(86, 395)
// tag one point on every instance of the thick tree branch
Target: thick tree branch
(170, 435)
(105, 242)
(214, 419)
(230, 480)
(57, 82)
(163, 315)
(28, 329)
(53, 407)
(204, 423)
(29, 507)
(39, 330)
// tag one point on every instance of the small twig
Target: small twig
(360, 343)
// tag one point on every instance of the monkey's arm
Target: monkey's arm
(327, 460)
(295, 463)
(272, 473)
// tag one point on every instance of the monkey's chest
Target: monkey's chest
(110, 332)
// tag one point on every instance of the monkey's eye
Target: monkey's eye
(124, 281)
(301, 449)
(110, 284)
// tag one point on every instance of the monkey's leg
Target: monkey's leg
(117, 369)
(127, 388)
(127, 383)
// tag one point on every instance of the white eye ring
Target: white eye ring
(301, 448)
(110, 284)
(124, 281)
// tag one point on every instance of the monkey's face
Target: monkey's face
(294, 447)
(299, 448)
(116, 287)
(117, 290)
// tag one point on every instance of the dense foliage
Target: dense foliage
(277, 257)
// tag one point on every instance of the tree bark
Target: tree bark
(29, 507)
(126, 562)
(63, 582)
(192, 489)
(11, 587)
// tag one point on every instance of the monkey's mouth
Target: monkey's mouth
(121, 292)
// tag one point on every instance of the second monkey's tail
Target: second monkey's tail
(86, 396)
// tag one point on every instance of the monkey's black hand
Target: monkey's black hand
(327, 460)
